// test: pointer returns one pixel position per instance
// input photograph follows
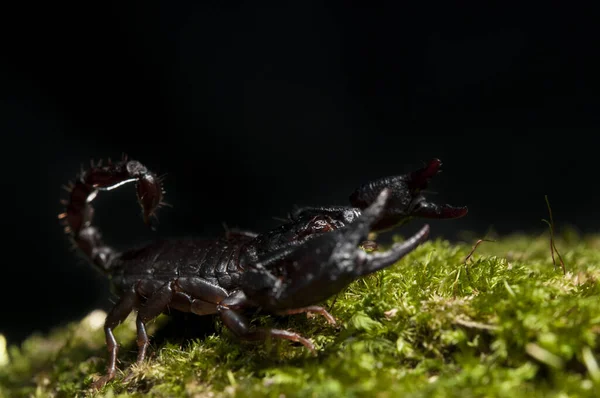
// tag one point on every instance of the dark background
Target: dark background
(252, 110)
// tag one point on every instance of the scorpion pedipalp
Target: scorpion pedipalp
(406, 200)
(302, 275)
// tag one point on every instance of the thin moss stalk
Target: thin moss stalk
(505, 323)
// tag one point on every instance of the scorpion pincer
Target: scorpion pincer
(288, 270)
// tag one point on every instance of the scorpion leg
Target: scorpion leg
(117, 315)
(208, 299)
(152, 308)
(205, 296)
(239, 325)
(310, 309)
(142, 338)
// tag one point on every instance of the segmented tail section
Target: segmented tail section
(79, 213)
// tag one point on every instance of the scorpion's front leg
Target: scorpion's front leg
(230, 312)
(311, 309)
(207, 298)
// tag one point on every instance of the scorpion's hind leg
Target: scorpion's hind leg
(119, 312)
(230, 312)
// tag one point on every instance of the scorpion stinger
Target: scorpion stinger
(79, 212)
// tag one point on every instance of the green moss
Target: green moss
(507, 323)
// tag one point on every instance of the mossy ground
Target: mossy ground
(506, 324)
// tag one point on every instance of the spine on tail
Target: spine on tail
(79, 213)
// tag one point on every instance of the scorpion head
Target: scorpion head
(307, 272)
(406, 199)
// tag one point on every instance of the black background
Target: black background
(252, 110)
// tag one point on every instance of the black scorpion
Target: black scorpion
(287, 270)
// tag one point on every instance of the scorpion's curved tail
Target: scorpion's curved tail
(78, 214)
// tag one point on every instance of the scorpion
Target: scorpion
(290, 269)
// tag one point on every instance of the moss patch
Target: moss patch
(507, 323)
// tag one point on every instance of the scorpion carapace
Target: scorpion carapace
(289, 270)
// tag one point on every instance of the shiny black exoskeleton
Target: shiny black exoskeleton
(287, 270)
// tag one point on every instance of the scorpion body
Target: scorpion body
(287, 270)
